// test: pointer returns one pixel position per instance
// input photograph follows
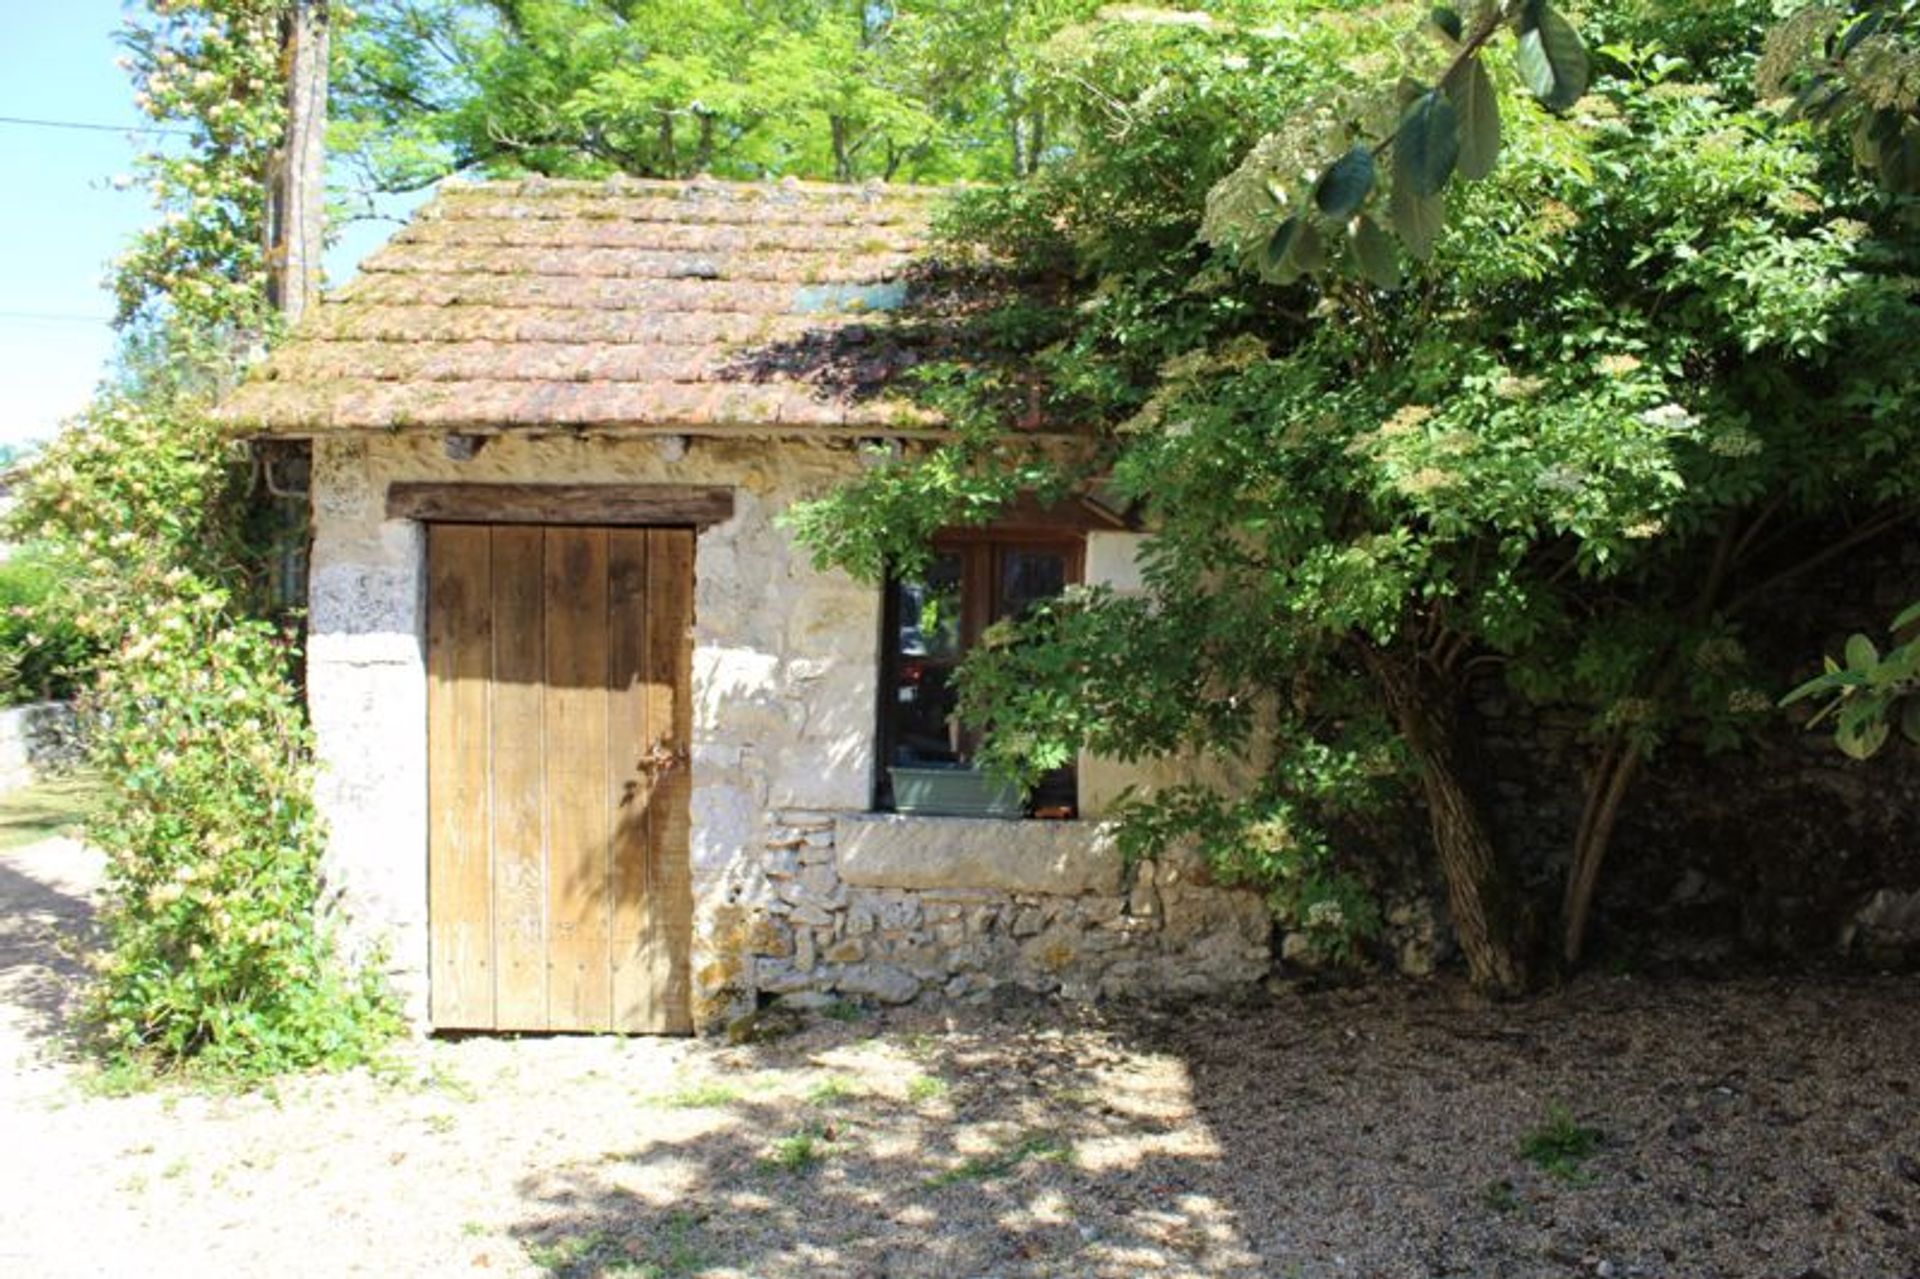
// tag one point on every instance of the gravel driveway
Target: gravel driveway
(1751, 1129)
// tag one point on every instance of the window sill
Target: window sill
(911, 851)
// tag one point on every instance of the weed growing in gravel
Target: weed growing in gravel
(925, 1088)
(682, 1257)
(438, 1077)
(832, 1090)
(700, 1096)
(998, 1163)
(1560, 1145)
(1498, 1196)
(594, 1253)
(796, 1152)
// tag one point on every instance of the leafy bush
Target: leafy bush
(1870, 691)
(44, 654)
(217, 954)
(218, 957)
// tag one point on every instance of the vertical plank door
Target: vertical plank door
(559, 711)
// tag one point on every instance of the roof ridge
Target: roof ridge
(683, 188)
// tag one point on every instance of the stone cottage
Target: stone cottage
(601, 748)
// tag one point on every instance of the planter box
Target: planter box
(953, 791)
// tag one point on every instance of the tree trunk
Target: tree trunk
(297, 190)
(842, 153)
(1488, 916)
(1606, 791)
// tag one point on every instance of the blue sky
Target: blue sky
(61, 220)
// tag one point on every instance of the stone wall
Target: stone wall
(785, 674)
(1783, 850)
(881, 907)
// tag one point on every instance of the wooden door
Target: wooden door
(559, 672)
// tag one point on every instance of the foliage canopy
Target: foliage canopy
(1657, 366)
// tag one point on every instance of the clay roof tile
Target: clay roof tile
(700, 305)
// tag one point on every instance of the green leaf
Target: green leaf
(1861, 654)
(1275, 259)
(1862, 27)
(1373, 253)
(1345, 186)
(1907, 616)
(1818, 684)
(1910, 720)
(1427, 144)
(1551, 58)
(1309, 249)
(1449, 22)
(1471, 91)
(1861, 740)
(1417, 219)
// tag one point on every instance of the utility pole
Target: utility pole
(297, 185)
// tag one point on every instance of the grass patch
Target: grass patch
(1560, 1145)
(797, 1152)
(843, 1010)
(998, 1163)
(925, 1088)
(577, 1256)
(705, 1095)
(832, 1090)
(672, 1255)
(57, 806)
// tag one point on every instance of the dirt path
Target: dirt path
(1744, 1130)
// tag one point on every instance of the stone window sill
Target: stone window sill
(894, 850)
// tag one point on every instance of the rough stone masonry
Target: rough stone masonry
(800, 891)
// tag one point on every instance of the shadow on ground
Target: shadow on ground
(46, 923)
(1739, 1130)
(1023, 1149)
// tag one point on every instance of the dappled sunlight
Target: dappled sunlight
(910, 1152)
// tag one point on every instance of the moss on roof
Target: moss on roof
(689, 306)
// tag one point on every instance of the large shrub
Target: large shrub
(217, 952)
(219, 957)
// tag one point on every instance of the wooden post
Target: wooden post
(296, 193)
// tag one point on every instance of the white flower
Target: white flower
(1669, 417)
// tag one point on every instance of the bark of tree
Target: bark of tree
(1606, 791)
(297, 190)
(1489, 917)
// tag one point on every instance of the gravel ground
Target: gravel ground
(1745, 1130)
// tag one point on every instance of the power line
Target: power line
(30, 123)
(67, 316)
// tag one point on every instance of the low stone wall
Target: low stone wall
(36, 740)
(888, 908)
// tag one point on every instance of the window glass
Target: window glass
(927, 646)
(928, 611)
(1028, 577)
(931, 619)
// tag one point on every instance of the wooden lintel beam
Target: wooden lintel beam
(617, 505)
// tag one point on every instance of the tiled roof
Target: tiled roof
(692, 306)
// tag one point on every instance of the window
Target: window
(973, 581)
